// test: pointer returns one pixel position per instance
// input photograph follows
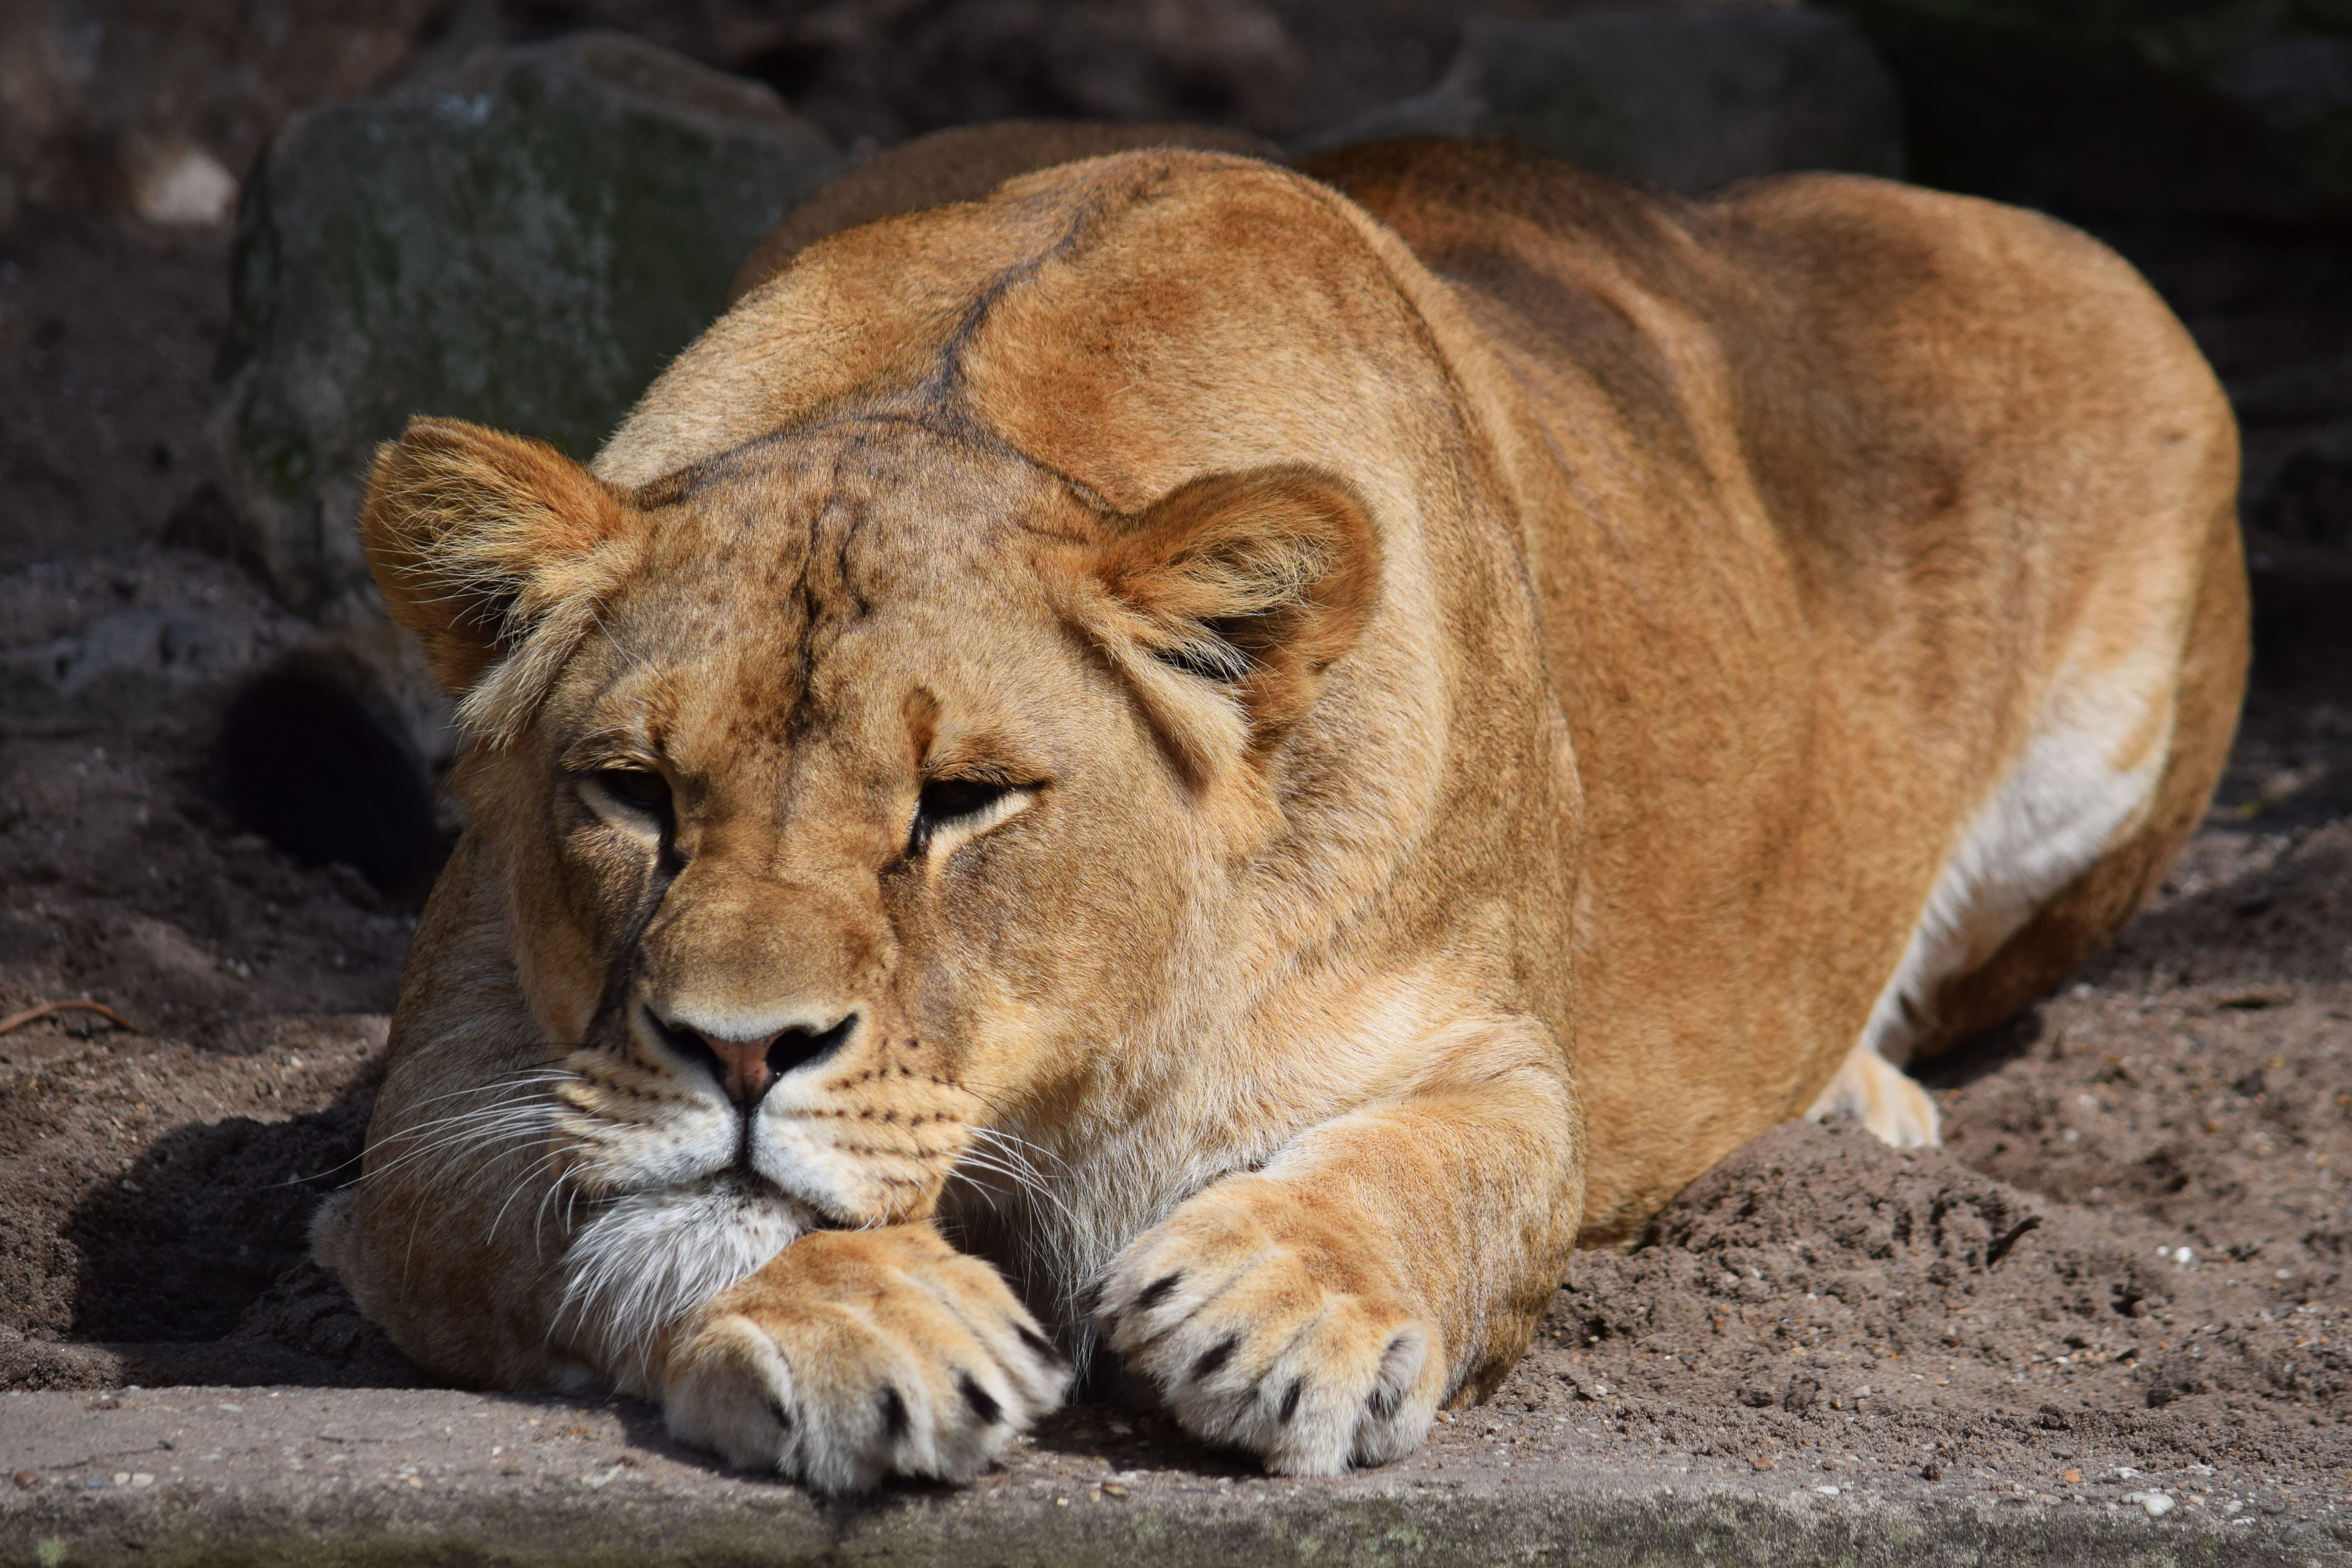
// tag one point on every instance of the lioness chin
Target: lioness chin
(1222, 763)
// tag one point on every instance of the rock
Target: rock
(103, 103)
(2211, 108)
(1689, 97)
(524, 244)
(177, 182)
(2297, 425)
(138, 668)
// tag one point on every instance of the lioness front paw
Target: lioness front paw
(856, 1354)
(1234, 1308)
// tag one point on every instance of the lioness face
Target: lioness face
(875, 791)
(805, 796)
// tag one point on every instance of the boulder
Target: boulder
(1688, 98)
(139, 669)
(2297, 426)
(2207, 108)
(524, 244)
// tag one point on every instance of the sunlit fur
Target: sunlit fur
(1483, 690)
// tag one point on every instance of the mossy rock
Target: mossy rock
(526, 246)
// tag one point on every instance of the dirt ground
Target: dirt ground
(2131, 1257)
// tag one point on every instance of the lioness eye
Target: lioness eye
(944, 800)
(970, 803)
(638, 787)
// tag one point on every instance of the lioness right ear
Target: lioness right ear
(488, 546)
(1227, 599)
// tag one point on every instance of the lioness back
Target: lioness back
(1887, 556)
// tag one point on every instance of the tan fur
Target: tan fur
(963, 163)
(1482, 690)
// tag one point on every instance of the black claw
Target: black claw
(783, 1416)
(1039, 1345)
(894, 1412)
(983, 1402)
(1383, 1403)
(1157, 1292)
(1216, 1356)
(1290, 1398)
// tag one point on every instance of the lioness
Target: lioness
(1267, 751)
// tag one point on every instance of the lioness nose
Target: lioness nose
(745, 1068)
(742, 1065)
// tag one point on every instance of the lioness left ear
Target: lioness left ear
(1226, 600)
(495, 551)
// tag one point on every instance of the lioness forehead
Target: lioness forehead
(873, 508)
(797, 577)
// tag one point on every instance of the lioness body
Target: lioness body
(1838, 497)
(1481, 698)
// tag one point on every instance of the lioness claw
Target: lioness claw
(856, 1355)
(1251, 1344)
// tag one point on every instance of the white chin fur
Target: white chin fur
(645, 1259)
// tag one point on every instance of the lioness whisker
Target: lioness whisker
(1020, 1175)
(1000, 1135)
(463, 1144)
(546, 1159)
(454, 1131)
(539, 1213)
(411, 1133)
(523, 1078)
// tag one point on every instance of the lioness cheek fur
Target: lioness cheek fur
(1225, 762)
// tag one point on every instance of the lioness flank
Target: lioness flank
(1221, 763)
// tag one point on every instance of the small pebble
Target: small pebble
(28, 1477)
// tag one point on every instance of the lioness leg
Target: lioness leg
(1319, 1311)
(854, 1354)
(2111, 784)
(2075, 924)
(1877, 1093)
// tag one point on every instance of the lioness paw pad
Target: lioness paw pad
(1248, 1347)
(856, 1355)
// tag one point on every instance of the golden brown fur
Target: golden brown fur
(1274, 748)
(963, 163)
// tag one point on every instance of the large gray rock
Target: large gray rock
(2208, 108)
(525, 245)
(2297, 426)
(1688, 98)
(137, 667)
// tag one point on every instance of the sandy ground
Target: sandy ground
(2125, 1274)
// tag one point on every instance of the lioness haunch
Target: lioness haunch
(1230, 762)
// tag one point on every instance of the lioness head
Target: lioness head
(857, 788)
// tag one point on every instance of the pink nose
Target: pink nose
(743, 1065)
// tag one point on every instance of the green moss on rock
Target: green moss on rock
(525, 246)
